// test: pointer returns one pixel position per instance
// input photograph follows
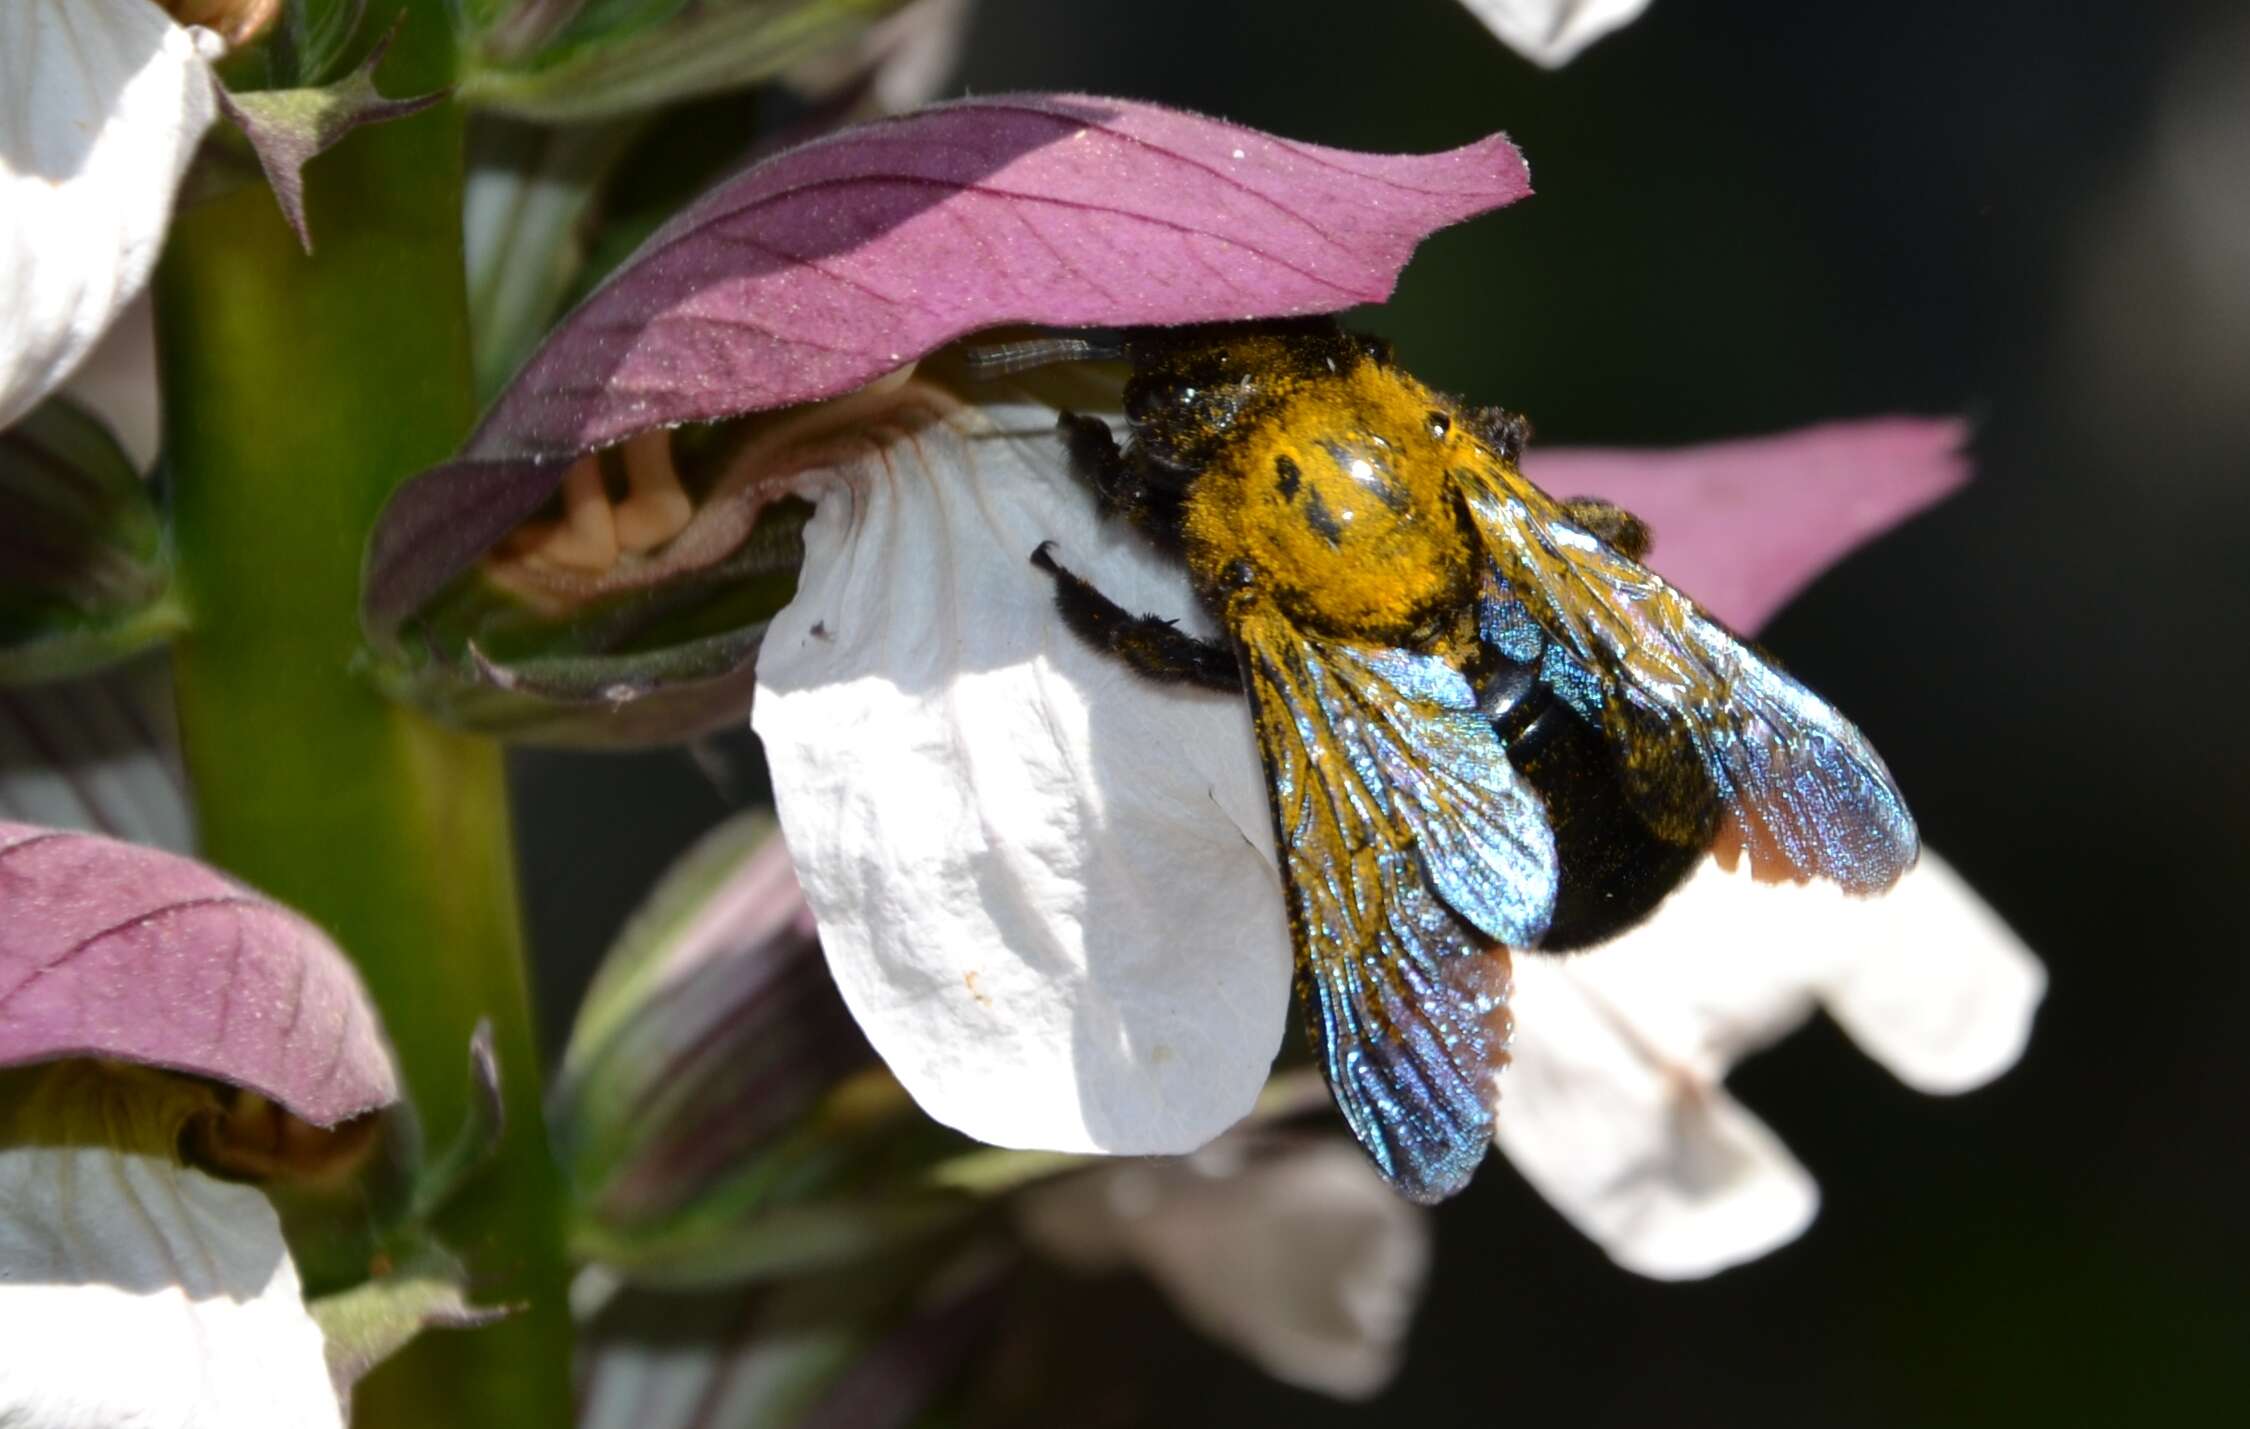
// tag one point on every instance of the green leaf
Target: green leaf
(85, 561)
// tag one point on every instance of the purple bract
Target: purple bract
(111, 950)
(828, 265)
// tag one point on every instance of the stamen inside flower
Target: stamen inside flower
(245, 1137)
(656, 507)
(594, 530)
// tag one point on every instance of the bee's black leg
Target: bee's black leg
(1613, 525)
(1123, 488)
(1504, 431)
(1150, 644)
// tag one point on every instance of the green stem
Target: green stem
(298, 392)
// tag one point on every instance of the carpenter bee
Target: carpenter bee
(1485, 726)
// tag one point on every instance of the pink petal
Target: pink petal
(823, 268)
(1743, 526)
(111, 950)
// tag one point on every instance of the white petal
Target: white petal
(1727, 965)
(1641, 1150)
(1552, 32)
(102, 103)
(1044, 884)
(1613, 1105)
(1303, 1259)
(136, 1291)
(1933, 985)
(117, 381)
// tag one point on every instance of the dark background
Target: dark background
(1752, 215)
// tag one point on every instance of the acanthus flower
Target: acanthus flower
(136, 1286)
(1046, 887)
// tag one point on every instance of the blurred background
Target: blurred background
(1753, 215)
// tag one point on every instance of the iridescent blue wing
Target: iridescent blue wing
(1414, 858)
(1802, 792)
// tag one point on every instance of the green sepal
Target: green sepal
(85, 559)
(424, 1289)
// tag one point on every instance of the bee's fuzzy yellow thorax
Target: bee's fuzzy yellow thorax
(1338, 501)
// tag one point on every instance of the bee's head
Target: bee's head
(1195, 389)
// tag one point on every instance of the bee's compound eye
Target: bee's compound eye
(1440, 424)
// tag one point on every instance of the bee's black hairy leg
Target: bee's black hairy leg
(1124, 490)
(1150, 644)
(1506, 432)
(1613, 525)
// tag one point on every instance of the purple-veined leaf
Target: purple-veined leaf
(110, 950)
(826, 266)
(1743, 526)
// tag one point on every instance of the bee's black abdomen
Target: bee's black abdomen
(1614, 868)
(1631, 815)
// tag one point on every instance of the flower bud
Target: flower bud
(85, 568)
(718, 1114)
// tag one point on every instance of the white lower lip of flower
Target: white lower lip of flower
(106, 101)
(1614, 1106)
(1298, 1256)
(137, 1291)
(1044, 884)
(1046, 889)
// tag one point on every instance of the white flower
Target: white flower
(1297, 1255)
(1613, 1105)
(137, 1291)
(1552, 32)
(1046, 886)
(102, 103)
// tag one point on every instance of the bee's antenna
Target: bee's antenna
(1001, 359)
